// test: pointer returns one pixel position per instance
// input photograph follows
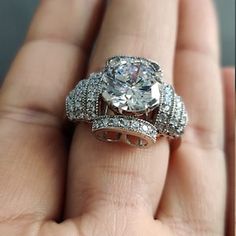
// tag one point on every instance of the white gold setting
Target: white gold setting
(129, 102)
(128, 126)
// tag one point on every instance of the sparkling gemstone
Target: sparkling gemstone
(105, 122)
(163, 117)
(131, 86)
(124, 122)
(116, 122)
(93, 115)
(178, 105)
(135, 125)
(145, 128)
(166, 108)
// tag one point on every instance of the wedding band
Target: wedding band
(128, 101)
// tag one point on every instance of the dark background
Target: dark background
(15, 16)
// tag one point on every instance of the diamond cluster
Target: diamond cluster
(165, 108)
(92, 96)
(131, 84)
(172, 116)
(82, 102)
(173, 124)
(75, 102)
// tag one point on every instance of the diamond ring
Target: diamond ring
(129, 102)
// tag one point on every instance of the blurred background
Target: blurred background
(15, 16)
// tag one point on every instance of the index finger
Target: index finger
(32, 150)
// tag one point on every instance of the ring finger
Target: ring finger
(109, 176)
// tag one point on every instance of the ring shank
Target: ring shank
(119, 135)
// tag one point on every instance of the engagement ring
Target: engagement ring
(128, 101)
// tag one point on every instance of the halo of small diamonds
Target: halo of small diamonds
(76, 102)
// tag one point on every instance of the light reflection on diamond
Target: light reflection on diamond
(131, 86)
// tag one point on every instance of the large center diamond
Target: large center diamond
(131, 87)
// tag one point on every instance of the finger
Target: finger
(54, 55)
(229, 94)
(32, 150)
(121, 176)
(194, 197)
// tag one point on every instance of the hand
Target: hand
(89, 188)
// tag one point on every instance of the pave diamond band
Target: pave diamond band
(128, 127)
(128, 101)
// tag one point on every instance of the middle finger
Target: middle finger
(111, 175)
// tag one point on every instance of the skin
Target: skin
(50, 187)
